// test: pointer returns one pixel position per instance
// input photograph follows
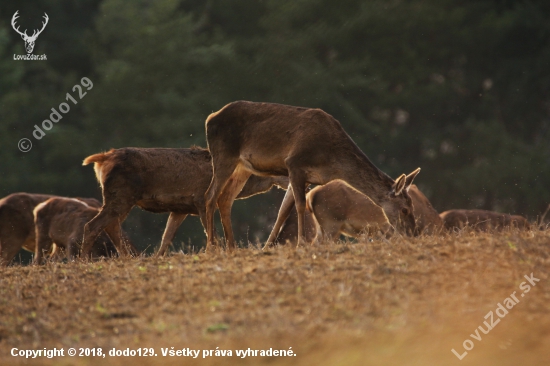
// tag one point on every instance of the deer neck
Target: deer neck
(364, 176)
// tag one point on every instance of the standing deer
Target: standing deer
(29, 40)
(308, 146)
(156, 180)
(61, 220)
(482, 220)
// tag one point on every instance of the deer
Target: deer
(29, 40)
(17, 229)
(61, 220)
(307, 145)
(482, 220)
(338, 209)
(156, 180)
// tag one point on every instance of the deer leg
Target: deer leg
(43, 244)
(282, 216)
(13, 237)
(92, 230)
(8, 249)
(225, 202)
(114, 231)
(222, 173)
(298, 182)
(319, 234)
(125, 239)
(174, 222)
(106, 217)
(128, 243)
(72, 249)
(55, 254)
(202, 216)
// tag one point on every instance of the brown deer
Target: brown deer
(308, 146)
(336, 208)
(482, 220)
(61, 220)
(156, 180)
(17, 223)
(339, 208)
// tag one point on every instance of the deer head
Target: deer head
(399, 191)
(29, 40)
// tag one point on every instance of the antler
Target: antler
(15, 16)
(35, 34)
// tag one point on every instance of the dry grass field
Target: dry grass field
(406, 301)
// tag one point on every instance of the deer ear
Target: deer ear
(411, 177)
(398, 186)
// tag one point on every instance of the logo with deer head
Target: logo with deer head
(29, 40)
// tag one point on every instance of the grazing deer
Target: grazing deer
(156, 180)
(61, 220)
(308, 146)
(17, 223)
(29, 40)
(336, 208)
(339, 208)
(482, 220)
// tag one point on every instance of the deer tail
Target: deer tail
(97, 158)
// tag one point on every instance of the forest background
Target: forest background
(458, 88)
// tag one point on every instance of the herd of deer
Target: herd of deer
(251, 148)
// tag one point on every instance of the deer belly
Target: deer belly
(180, 204)
(268, 166)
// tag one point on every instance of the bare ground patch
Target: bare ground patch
(404, 301)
